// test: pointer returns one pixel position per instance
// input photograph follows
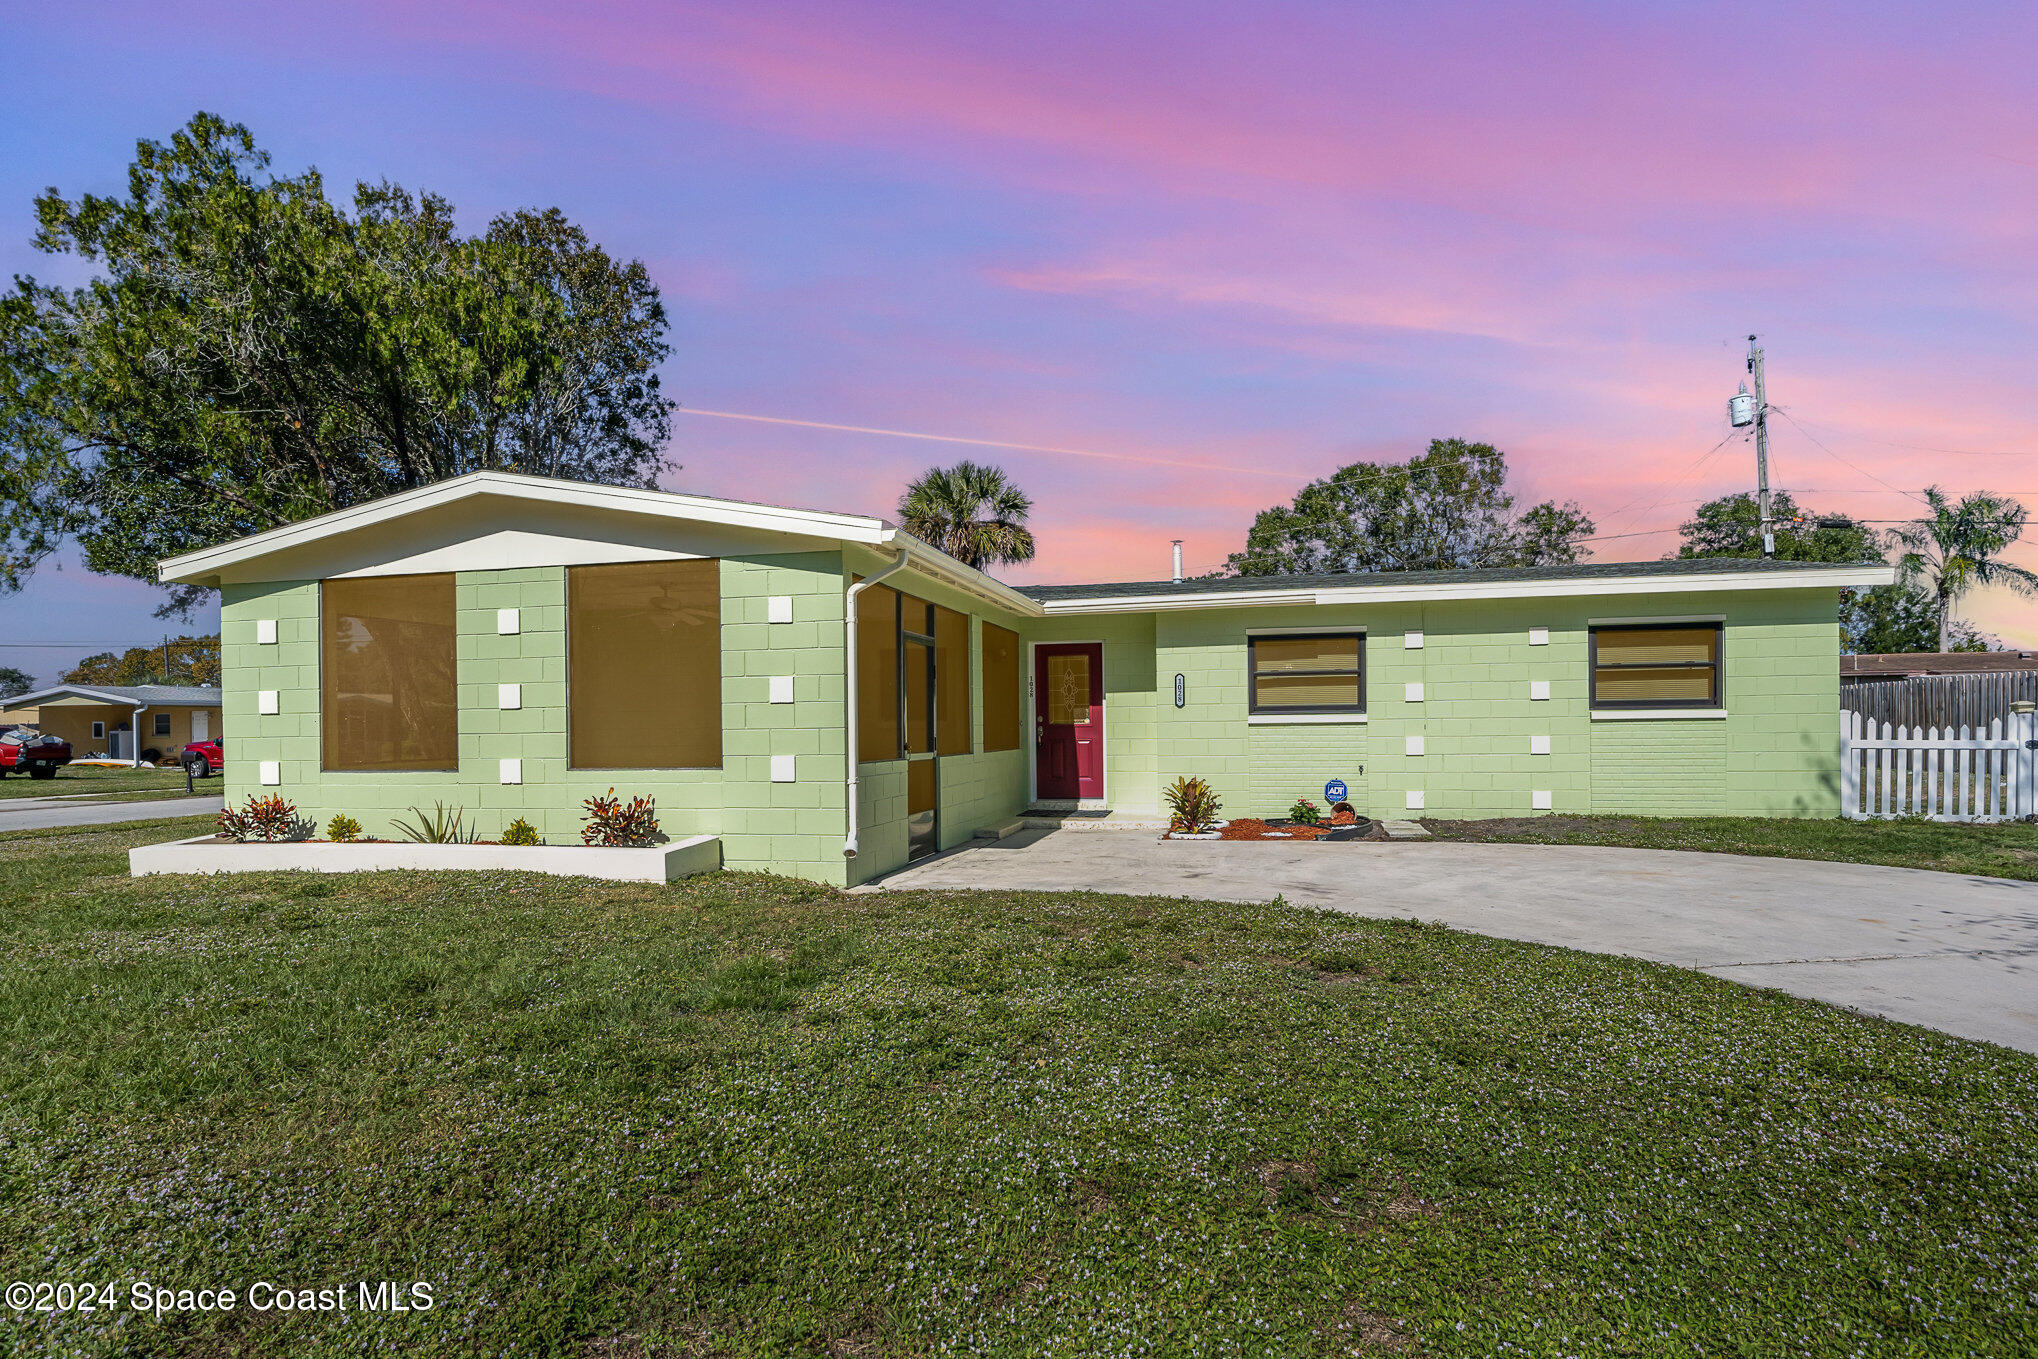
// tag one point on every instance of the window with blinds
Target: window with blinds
(387, 694)
(644, 665)
(1317, 673)
(1003, 729)
(1657, 665)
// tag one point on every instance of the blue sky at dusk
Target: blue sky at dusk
(1228, 248)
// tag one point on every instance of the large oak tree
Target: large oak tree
(249, 353)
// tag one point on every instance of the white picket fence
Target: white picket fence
(1984, 773)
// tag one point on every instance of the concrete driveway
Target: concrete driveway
(38, 814)
(1955, 953)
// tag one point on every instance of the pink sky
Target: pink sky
(1235, 246)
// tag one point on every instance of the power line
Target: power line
(1799, 426)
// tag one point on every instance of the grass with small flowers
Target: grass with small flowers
(2004, 850)
(747, 1115)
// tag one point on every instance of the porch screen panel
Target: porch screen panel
(951, 671)
(1651, 667)
(387, 692)
(644, 665)
(1002, 715)
(877, 674)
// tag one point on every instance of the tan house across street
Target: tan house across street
(100, 720)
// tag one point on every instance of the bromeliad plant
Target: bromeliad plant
(445, 826)
(264, 818)
(614, 823)
(1192, 806)
(1305, 812)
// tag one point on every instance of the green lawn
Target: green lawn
(750, 1116)
(2008, 850)
(120, 785)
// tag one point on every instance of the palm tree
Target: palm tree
(971, 511)
(1960, 546)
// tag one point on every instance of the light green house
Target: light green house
(829, 696)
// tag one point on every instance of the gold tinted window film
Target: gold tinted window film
(951, 671)
(388, 694)
(1002, 724)
(1643, 667)
(644, 665)
(877, 674)
(1321, 673)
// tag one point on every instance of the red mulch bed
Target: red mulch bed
(1252, 828)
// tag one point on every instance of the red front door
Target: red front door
(1068, 720)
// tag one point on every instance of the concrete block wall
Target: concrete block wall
(1133, 681)
(789, 827)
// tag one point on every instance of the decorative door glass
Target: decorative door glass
(1068, 689)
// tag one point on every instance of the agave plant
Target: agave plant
(445, 826)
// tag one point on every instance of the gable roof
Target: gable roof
(616, 505)
(124, 695)
(1675, 574)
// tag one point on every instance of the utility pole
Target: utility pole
(1761, 450)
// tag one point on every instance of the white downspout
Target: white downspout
(134, 753)
(849, 606)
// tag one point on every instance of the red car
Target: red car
(204, 757)
(32, 753)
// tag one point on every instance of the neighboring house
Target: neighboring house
(100, 719)
(512, 645)
(1942, 690)
(1911, 664)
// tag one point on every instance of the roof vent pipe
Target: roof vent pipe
(1178, 561)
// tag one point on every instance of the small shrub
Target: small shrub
(521, 832)
(264, 818)
(445, 826)
(1192, 806)
(1305, 812)
(615, 823)
(342, 828)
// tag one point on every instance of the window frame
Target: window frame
(992, 738)
(566, 640)
(1252, 674)
(1714, 701)
(99, 731)
(323, 717)
(162, 724)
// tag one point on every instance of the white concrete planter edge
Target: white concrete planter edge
(209, 854)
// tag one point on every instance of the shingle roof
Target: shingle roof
(169, 695)
(1675, 566)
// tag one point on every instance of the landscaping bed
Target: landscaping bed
(1254, 828)
(210, 854)
(748, 1115)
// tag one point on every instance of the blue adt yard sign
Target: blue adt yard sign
(1335, 791)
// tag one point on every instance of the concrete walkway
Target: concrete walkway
(1955, 953)
(38, 816)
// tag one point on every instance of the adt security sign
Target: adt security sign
(1334, 791)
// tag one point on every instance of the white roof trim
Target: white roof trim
(76, 691)
(853, 528)
(1811, 578)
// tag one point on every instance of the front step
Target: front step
(1036, 818)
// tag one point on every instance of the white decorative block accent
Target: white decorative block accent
(1412, 693)
(1411, 641)
(781, 688)
(1539, 745)
(265, 631)
(1539, 636)
(1539, 690)
(271, 773)
(1414, 745)
(509, 695)
(782, 768)
(266, 702)
(779, 609)
(1539, 800)
(1414, 799)
(509, 770)
(508, 622)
